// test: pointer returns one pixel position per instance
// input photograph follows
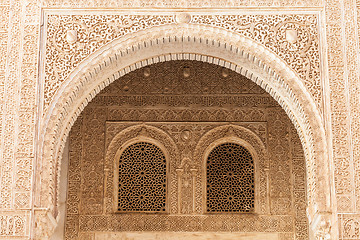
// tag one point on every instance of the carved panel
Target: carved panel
(281, 187)
(189, 115)
(13, 225)
(349, 226)
(92, 162)
(74, 180)
(294, 38)
(182, 133)
(186, 125)
(70, 38)
(298, 170)
(179, 3)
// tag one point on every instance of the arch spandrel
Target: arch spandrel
(193, 42)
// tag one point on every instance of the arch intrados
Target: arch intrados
(186, 42)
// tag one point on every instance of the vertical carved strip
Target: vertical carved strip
(299, 185)
(352, 40)
(10, 105)
(351, 49)
(74, 180)
(339, 101)
(92, 165)
(179, 173)
(106, 189)
(26, 134)
(4, 42)
(267, 190)
(193, 175)
(280, 185)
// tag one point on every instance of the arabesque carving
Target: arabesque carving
(265, 131)
(94, 31)
(20, 30)
(179, 3)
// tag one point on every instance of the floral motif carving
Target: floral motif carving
(301, 53)
(94, 31)
(350, 227)
(179, 4)
(12, 225)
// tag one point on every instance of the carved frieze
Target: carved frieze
(71, 38)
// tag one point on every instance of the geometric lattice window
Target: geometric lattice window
(230, 179)
(142, 179)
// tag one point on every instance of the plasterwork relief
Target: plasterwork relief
(350, 226)
(291, 37)
(298, 169)
(339, 96)
(185, 114)
(312, 183)
(110, 222)
(18, 81)
(27, 16)
(6, 161)
(280, 190)
(179, 3)
(180, 236)
(71, 38)
(14, 224)
(343, 42)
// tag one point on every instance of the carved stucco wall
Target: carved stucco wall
(243, 55)
(70, 98)
(186, 115)
(20, 93)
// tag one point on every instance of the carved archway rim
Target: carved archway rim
(219, 47)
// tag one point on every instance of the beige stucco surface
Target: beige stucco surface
(48, 74)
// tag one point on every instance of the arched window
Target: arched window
(230, 186)
(142, 179)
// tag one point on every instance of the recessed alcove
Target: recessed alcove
(186, 109)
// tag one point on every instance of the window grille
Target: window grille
(142, 179)
(230, 180)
